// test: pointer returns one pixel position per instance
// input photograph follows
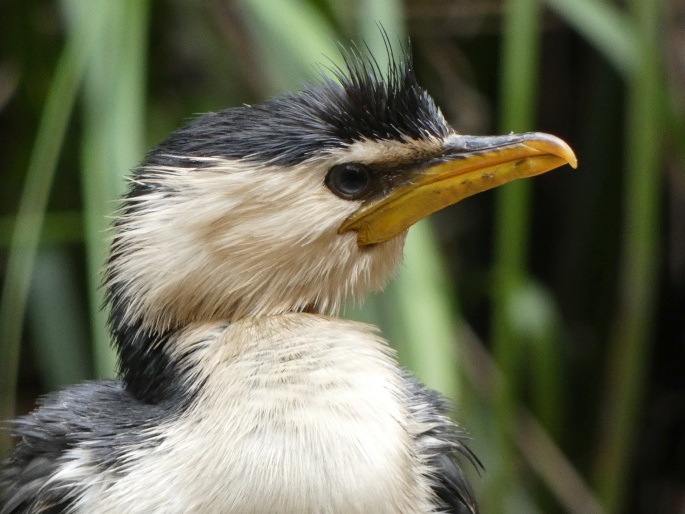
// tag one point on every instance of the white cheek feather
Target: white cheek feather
(223, 245)
(296, 413)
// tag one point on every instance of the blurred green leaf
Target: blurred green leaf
(58, 227)
(29, 220)
(519, 74)
(113, 136)
(605, 26)
(633, 328)
(533, 314)
(56, 322)
(426, 313)
(293, 37)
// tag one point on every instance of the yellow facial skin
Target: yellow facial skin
(469, 165)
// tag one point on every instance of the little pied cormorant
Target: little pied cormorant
(240, 391)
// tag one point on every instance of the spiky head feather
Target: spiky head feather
(357, 103)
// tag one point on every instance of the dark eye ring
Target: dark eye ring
(349, 181)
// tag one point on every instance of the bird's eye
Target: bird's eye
(349, 181)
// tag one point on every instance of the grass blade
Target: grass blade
(29, 221)
(113, 137)
(519, 59)
(631, 337)
(59, 332)
(605, 26)
(426, 313)
(293, 37)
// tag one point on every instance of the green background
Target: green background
(551, 311)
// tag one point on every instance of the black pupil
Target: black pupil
(348, 180)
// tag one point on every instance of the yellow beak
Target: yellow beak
(469, 165)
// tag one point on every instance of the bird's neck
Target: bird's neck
(158, 367)
(155, 292)
(148, 370)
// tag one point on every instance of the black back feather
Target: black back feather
(442, 446)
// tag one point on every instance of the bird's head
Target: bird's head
(300, 202)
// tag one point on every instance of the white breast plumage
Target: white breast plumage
(293, 413)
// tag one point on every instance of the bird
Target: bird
(240, 389)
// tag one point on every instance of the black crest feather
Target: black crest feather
(357, 102)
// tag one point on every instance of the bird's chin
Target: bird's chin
(394, 246)
(384, 259)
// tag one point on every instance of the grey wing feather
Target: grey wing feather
(99, 416)
(42, 439)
